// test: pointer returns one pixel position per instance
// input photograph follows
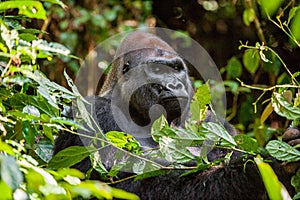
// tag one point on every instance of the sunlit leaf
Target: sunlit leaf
(119, 139)
(6, 191)
(270, 7)
(32, 9)
(201, 99)
(121, 194)
(274, 188)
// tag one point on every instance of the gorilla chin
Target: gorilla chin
(175, 107)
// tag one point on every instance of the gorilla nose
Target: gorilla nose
(174, 90)
(174, 87)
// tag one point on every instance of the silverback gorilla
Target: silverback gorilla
(146, 58)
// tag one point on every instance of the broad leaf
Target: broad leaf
(246, 143)
(282, 151)
(233, 68)
(70, 156)
(31, 9)
(251, 60)
(248, 16)
(10, 172)
(214, 131)
(199, 103)
(283, 108)
(174, 150)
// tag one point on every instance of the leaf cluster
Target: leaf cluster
(31, 114)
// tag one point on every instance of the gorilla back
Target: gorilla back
(149, 79)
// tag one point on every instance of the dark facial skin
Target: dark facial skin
(155, 77)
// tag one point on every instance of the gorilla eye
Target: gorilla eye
(177, 67)
(126, 67)
(154, 67)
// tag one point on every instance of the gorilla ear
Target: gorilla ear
(126, 67)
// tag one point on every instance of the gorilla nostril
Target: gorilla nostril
(160, 88)
(177, 86)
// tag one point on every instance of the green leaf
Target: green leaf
(118, 139)
(68, 122)
(70, 156)
(150, 174)
(246, 143)
(157, 126)
(233, 68)
(31, 9)
(292, 13)
(62, 173)
(297, 196)
(201, 99)
(295, 28)
(121, 194)
(251, 60)
(248, 16)
(283, 151)
(56, 2)
(273, 186)
(165, 131)
(9, 36)
(270, 7)
(4, 147)
(20, 100)
(283, 108)
(202, 96)
(52, 47)
(174, 150)
(214, 131)
(6, 191)
(44, 150)
(296, 181)
(10, 172)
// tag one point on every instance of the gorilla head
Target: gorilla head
(148, 79)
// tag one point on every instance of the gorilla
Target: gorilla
(149, 79)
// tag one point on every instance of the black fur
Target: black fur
(139, 51)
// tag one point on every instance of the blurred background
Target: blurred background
(219, 26)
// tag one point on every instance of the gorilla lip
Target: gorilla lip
(173, 98)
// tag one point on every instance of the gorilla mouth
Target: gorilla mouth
(173, 98)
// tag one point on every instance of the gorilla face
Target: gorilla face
(155, 77)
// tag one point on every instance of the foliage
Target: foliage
(31, 114)
(31, 106)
